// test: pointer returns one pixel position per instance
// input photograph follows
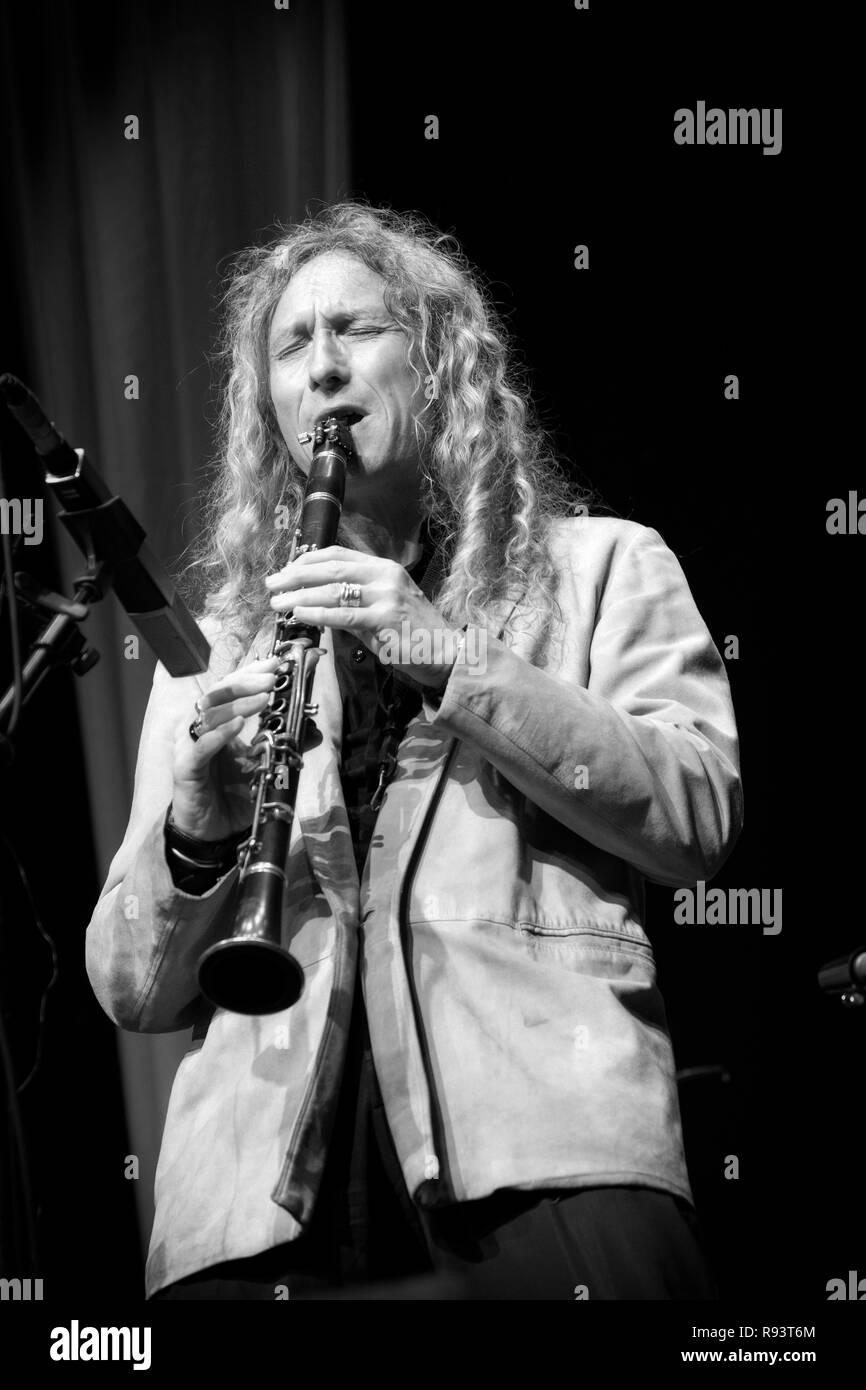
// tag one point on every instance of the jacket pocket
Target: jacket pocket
(589, 935)
(596, 950)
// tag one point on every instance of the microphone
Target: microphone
(102, 524)
(845, 973)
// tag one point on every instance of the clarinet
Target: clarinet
(251, 972)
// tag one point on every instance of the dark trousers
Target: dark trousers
(367, 1239)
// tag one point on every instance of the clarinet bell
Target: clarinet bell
(250, 976)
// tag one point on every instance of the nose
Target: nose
(328, 365)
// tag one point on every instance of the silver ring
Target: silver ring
(196, 728)
(350, 596)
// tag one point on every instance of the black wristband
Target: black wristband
(202, 854)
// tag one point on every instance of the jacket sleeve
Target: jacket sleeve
(654, 728)
(145, 937)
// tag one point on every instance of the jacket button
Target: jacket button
(358, 654)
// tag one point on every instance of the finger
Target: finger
(259, 663)
(321, 595)
(329, 553)
(216, 715)
(238, 685)
(334, 562)
(349, 618)
(195, 754)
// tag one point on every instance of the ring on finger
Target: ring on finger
(350, 596)
(196, 728)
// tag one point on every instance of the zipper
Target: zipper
(442, 1173)
(440, 1158)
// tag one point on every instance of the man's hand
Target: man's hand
(393, 619)
(211, 793)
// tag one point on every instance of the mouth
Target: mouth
(347, 413)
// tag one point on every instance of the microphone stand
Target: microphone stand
(60, 643)
(113, 544)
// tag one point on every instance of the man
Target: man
(476, 1086)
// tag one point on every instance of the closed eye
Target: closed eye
(367, 331)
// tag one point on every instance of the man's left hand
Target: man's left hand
(393, 619)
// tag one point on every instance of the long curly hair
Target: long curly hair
(489, 480)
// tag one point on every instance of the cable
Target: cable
(55, 972)
(20, 1149)
(14, 634)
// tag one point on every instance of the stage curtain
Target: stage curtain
(242, 119)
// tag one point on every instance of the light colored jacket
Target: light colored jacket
(518, 1034)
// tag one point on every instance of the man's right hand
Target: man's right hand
(211, 796)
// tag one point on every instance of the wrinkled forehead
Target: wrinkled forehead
(334, 284)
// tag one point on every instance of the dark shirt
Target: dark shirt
(364, 1215)
(378, 705)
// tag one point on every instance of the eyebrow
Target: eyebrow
(336, 317)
